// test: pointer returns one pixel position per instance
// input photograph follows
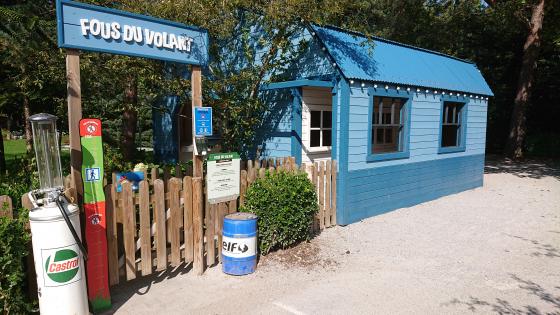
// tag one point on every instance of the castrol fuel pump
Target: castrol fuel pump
(55, 229)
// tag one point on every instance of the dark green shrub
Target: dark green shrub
(13, 246)
(285, 203)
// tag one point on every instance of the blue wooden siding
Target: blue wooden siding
(424, 129)
(382, 189)
(375, 187)
(275, 133)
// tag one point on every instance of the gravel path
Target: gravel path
(494, 249)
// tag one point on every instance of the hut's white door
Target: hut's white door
(316, 124)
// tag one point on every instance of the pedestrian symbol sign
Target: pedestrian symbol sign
(92, 174)
(202, 121)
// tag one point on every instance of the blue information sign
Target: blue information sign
(202, 121)
(95, 28)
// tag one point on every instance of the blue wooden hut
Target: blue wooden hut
(405, 124)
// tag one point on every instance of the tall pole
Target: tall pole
(74, 115)
(196, 86)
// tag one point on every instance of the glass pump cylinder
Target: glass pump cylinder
(47, 153)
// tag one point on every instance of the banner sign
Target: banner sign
(95, 219)
(222, 180)
(100, 29)
(202, 121)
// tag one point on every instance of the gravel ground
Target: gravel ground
(494, 249)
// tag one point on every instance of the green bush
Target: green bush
(285, 203)
(13, 246)
(20, 178)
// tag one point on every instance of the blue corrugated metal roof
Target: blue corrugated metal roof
(397, 63)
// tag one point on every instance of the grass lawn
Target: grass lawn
(14, 148)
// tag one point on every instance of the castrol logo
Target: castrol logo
(62, 265)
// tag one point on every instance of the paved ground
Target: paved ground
(494, 249)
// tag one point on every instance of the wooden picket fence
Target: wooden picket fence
(191, 229)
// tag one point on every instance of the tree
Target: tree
(30, 59)
(531, 48)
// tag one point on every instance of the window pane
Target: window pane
(315, 119)
(449, 136)
(327, 119)
(389, 136)
(380, 135)
(387, 117)
(315, 138)
(326, 138)
(388, 111)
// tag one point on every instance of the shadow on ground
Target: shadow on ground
(141, 285)
(532, 168)
(501, 306)
(541, 249)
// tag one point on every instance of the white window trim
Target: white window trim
(307, 144)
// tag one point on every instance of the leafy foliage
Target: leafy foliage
(13, 246)
(285, 204)
(21, 178)
(242, 57)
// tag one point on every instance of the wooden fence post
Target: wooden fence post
(322, 195)
(249, 166)
(333, 193)
(166, 176)
(129, 230)
(145, 228)
(243, 187)
(175, 221)
(314, 182)
(210, 243)
(188, 217)
(6, 209)
(328, 195)
(232, 208)
(198, 265)
(159, 214)
(223, 210)
(178, 171)
(154, 175)
(111, 226)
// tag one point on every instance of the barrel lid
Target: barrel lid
(241, 216)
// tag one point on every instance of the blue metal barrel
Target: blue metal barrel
(239, 244)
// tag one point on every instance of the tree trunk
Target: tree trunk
(28, 133)
(518, 128)
(130, 117)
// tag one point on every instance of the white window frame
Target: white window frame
(318, 108)
(391, 126)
